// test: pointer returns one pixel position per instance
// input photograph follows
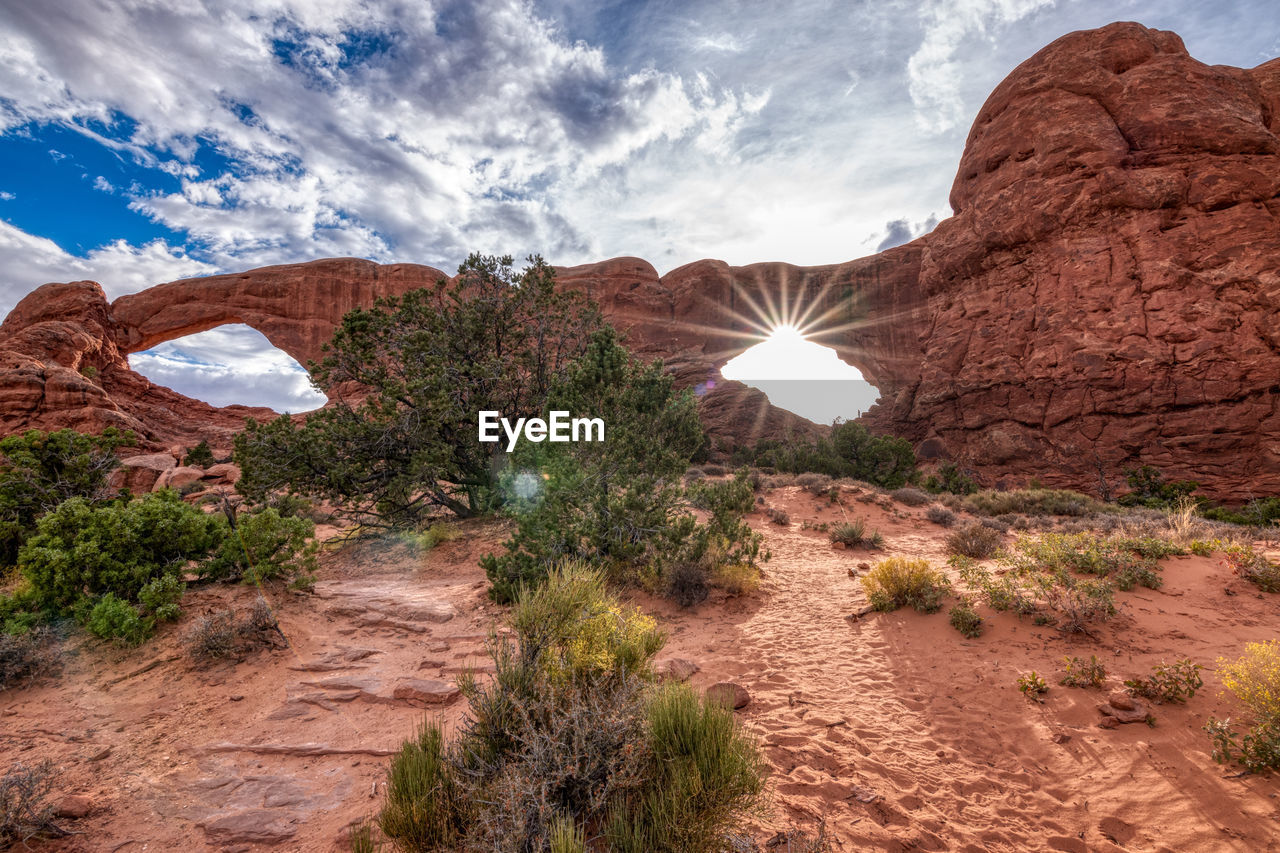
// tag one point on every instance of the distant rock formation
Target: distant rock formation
(1105, 295)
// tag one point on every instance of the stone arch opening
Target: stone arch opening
(804, 377)
(227, 365)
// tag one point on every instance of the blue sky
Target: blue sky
(145, 141)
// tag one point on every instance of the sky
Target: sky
(147, 140)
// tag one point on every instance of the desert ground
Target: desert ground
(889, 729)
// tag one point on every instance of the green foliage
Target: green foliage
(849, 451)
(1260, 512)
(620, 502)
(161, 596)
(113, 618)
(1035, 502)
(1150, 489)
(1254, 567)
(40, 470)
(570, 739)
(851, 534)
(1032, 685)
(1258, 750)
(976, 541)
(1254, 679)
(200, 455)
(903, 582)
(1175, 682)
(965, 619)
(951, 480)
(264, 546)
(1126, 560)
(496, 340)
(1079, 673)
(83, 552)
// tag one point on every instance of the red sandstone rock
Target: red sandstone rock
(1104, 296)
(176, 478)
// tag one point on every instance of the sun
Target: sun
(788, 354)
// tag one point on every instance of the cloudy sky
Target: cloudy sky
(148, 140)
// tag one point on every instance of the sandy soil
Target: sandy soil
(894, 729)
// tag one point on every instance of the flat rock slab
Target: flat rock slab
(398, 605)
(254, 826)
(404, 691)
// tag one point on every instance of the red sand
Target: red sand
(899, 732)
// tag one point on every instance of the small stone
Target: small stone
(864, 567)
(729, 694)
(73, 807)
(100, 754)
(676, 669)
(1060, 737)
(1108, 722)
(1121, 700)
(237, 698)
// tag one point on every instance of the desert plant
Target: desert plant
(1252, 566)
(976, 541)
(24, 811)
(903, 582)
(965, 619)
(1150, 489)
(1032, 685)
(1033, 502)
(940, 515)
(850, 450)
(1175, 682)
(950, 479)
(571, 738)
(1079, 673)
(778, 516)
(263, 546)
(200, 456)
(40, 470)
(736, 578)
(1254, 679)
(851, 534)
(221, 635)
(27, 655)
(910, 496)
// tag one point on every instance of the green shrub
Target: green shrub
(1078, 673)
(81, 552)
(1053, 595)
(849, 451)
(39, 470)
(1175, 682)
(1032, 685)
(1128, 561)
(200, 456)
(1254, 567)
(976, 541)
(1150, 489)
(965, 619)
(263, 546)
(1260, 512)
(114, 618)
(851, 534)
(571, 739)
(951, 480)
(902, 582)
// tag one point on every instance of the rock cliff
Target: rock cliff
(1104, 295)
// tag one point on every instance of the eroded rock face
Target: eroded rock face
(1105, 294)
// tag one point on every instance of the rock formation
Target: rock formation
(1105, 294)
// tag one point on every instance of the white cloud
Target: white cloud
(230, 365)
(7, 196)
(936, 69)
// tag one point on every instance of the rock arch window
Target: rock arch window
(803, 377)
(229, 365)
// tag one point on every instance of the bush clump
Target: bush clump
(851, 534)
(1252, 566)
(1254, 679)
(27, 655)
(40, 470)
(200, 456)
(850, 450)
(221, 635)
(263, 546)
(910, 496)
(951, 480)
(903, 582)
(941, 516)
(1081, 673)
(1034, 502)
(1032, 685)
(976, 541)
(25, 812)
(1175, 682)
(571, 738)
(965, 619)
